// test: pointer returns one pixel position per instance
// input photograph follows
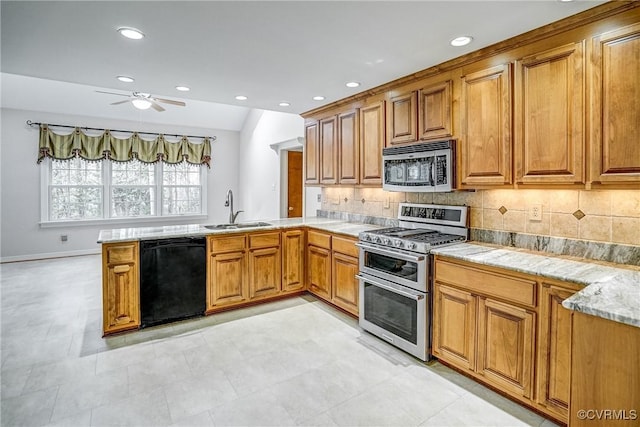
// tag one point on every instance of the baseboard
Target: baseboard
(49, 255)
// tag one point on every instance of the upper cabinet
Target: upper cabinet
(549, 116)
(435, 119)
(311, 155)
(328, 151)
(348, 147)
(402, 122)
(486, 127)
(615, 100)
(372, 138)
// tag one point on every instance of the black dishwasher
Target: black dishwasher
(172, 279)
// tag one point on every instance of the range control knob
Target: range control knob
(378, 239)
(411, 245)
(366, 237)
(398, 244)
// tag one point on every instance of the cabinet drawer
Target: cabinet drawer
(319, 239)
(265, 240)
(508, 288)
(345, 246)
(121, 253)
(226, 244)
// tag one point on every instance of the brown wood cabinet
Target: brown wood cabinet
(293, 249)
(402, 119)
(348, 147)
(328, 142)
(265, 265)
(344, 267)
(319, 264)
(227, 282)
(554, 349)
(372, 141)
(311, 154)
(615, 107)
(550, 116)
(486, 154)
(435, 118)
(120, 287)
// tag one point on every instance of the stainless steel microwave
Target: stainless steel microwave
(425, 167)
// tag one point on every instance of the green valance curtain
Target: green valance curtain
(107, 146)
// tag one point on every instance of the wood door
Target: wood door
(454, 326)
(435, 120)
(227, 279)
(319, 271)
(264, 272)
(615, 100)
(294, 184)
(506, 337)
(554, 350)
(403, 118)
(311, 154)
(486, 127)
(372, 140)
(120, 287)
(348, 147)
(328, 150)
(550, 117)
(345, 286)
(293, 260)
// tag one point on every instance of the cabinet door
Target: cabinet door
(554, 347)
(311, 154)
(319, 271)
(505, 346)
(328, 151)
(227, 282)
(348, 138)
(120, 287)
(615, 96)
(264, 272)
(344, 284)
(293, 260)
(402, 121)
(372, 137)
(486, 127)
(435, 119)
(549, 117)
(454, 326)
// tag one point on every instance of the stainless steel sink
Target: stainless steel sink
(235, 226)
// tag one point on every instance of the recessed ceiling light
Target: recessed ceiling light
(125, 79)
(353, 84)
(318, 98)
(141, 104)
(183, 88)
(284, 104)
(131, 33)
(241, 98)
(461, 41)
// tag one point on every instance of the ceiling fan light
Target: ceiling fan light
(131, 33)
(141, 104)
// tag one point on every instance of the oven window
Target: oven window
(392, 312)
(400, 268)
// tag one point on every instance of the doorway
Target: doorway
(294, 184)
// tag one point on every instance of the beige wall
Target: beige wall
(609, 215)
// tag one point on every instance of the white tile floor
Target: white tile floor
(292, 362)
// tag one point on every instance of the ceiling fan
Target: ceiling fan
(143, 101)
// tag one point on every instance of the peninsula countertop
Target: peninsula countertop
(609, 291)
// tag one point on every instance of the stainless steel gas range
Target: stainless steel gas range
(394, 273)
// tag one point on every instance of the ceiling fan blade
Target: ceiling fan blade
(119, 102)
(113, 93)
(156, 107)
(170, 101)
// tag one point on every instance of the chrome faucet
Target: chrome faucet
(229, 204)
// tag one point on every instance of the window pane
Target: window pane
(181, 200)
(68, 202)
(133, 201)
(76, 172)
(181, 174)
(132, 173)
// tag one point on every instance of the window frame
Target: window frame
(107, 214)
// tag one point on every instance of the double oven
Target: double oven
(394, 273)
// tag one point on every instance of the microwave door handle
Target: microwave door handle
(390, 289)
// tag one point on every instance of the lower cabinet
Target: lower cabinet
(293, 245)
(227, 282)
(120, 287)
(319, 271)
(264, 265)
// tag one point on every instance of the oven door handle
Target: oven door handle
(402, 256)
(416, 297)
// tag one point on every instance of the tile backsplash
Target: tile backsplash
(599, 215)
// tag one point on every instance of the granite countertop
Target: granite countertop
(610, 292)
(193, 230)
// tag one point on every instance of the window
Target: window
(77, 189)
